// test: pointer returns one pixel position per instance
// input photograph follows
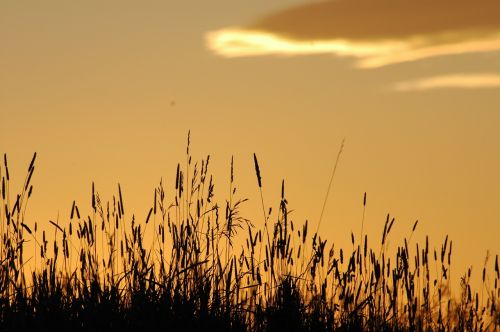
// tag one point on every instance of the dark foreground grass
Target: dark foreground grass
(184, 268)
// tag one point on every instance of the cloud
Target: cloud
(375, 32)
(234, 42)
(460, 81)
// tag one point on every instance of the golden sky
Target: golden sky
(106, 91)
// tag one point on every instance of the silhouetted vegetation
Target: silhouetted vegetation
(180, 269)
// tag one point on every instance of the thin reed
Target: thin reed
(183, 267)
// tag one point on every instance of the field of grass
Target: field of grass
(179, 269)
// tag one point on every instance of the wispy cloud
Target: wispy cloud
(236, 42)
(376, 33)
(454, 81)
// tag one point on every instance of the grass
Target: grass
(179, 269)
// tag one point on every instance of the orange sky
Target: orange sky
(107, 91)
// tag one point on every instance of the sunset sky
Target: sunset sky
(106, 91)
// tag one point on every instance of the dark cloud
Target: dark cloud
(375, 32)
(373, 19)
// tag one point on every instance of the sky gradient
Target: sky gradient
(107, 91)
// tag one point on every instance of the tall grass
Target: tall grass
(180, 268)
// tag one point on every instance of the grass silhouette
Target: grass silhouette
(179, 270)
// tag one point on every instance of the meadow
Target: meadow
(180, 268)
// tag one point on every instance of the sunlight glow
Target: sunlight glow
(241, 43)
(463, 81)
(235, 42)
